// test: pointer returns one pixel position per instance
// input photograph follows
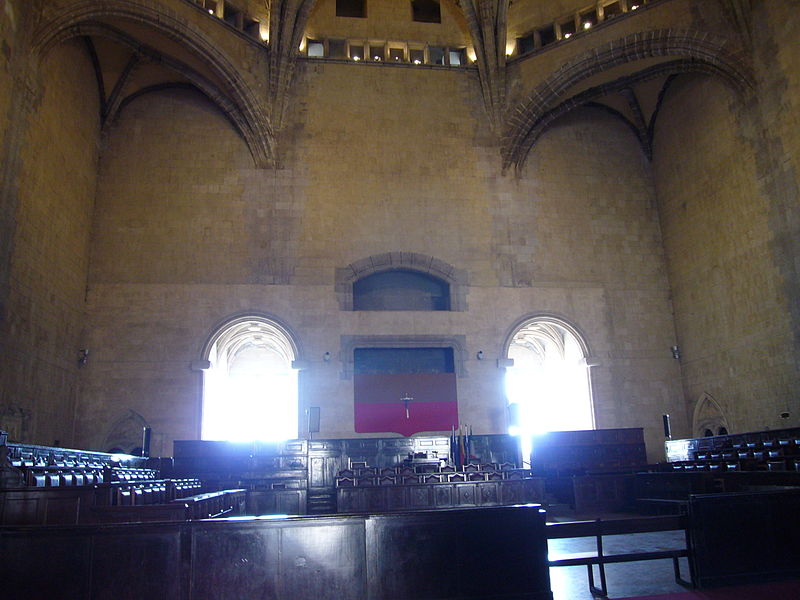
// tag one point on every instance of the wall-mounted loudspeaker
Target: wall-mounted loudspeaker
(667, 428)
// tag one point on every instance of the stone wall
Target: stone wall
(731, 311)
(8, 26)
(187, 231)
(389, 20)
(189, 234)
(45, 313)
(584, 219)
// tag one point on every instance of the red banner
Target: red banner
(405, 403)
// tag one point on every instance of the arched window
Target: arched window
(250, 389)
(549, 380)
(401, 289)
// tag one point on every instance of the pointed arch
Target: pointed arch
(84, 16)
(709, 416)
(126, 433)
(550, 99)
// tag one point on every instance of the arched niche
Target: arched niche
(428, 269)
(709, 416)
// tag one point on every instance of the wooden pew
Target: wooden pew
(97, 515)
(223, 503)
(66, 504)
(45, 505)
(599, 528)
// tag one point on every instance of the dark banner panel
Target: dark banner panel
(405, 403)
(403, 360)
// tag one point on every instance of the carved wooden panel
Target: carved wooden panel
(316, 472)
(375, 499)
(512, 492)
(419, 496)
(488, 494)
(395, 497)
(466, 494)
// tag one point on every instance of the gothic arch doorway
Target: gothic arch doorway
(250, 389)
(548, 388)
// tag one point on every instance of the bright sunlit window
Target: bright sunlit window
(549, 382)
(250, 390)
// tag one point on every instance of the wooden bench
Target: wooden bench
(671, 506)
(600, 528)
(214, 504)
(96, 515)
(201, 506)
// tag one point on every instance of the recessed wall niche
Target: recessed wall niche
(414, 282)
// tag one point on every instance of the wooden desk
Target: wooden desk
(464, 554)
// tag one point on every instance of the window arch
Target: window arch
(427, 271)
(401, 289)
(250, 388)
(548, 386)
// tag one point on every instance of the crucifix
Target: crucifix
(406, 399)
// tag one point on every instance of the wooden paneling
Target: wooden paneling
(152, 557)
(744, 538)
(426, 496)
(576, 452)
(603, 492)
(312, 465)
(45, 506)
(449, 555)
(276, 502)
